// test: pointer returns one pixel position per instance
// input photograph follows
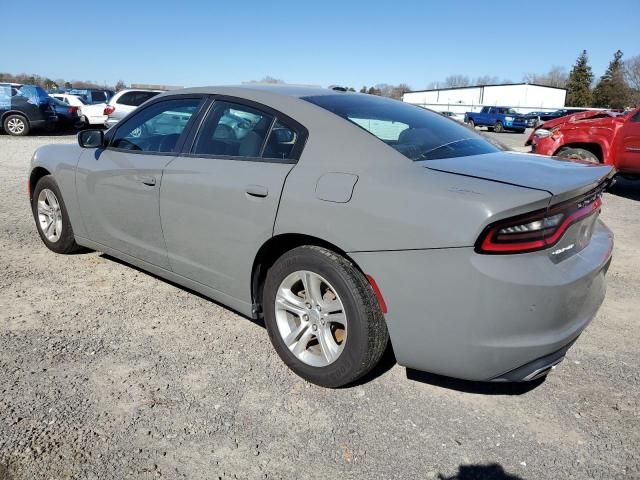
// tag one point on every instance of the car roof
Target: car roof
(296, 91)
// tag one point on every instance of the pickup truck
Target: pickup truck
(598, 137)
(498, 119)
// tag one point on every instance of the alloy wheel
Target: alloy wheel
(16, 126)
(49, 215)
(311, 318)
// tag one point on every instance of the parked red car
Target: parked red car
(598, 137)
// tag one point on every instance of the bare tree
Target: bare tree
(457, 80)
(632, 72)
(486, 80)
(556, 77)
(267, 79)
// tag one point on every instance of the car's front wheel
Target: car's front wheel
(323, 317)
(578, 154)
(52, 219)
(498, 127)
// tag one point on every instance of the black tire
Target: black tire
(471, 124)
(16, 125)
(578, 154)
(367, 336)
(66, 244)
(498, 127)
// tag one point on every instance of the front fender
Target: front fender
(61, 162)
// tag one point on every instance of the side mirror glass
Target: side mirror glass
(91, 138)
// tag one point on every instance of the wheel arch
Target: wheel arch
(36, 174)
(273, 249)
(14, 112)
(592, 147)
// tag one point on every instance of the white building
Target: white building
(524, 97)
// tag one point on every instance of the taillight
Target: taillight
(108, 110)
(537, 230)
(72, 110)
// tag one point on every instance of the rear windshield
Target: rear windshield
(417, 133)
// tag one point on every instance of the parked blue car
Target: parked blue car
(68, 115)
(499, 119)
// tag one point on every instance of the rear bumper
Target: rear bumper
(482, 317)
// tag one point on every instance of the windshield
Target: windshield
(417, 133)
(510, 111)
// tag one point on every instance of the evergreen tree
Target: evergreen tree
(579, 83)
(612, 90)
(363, 89)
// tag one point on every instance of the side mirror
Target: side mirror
(91, 138)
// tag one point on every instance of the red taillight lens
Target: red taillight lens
(108, 110)
(537, 230)
(73, 110)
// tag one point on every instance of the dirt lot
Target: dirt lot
(108, 372)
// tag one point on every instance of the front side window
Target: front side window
(157, 128)
(417, 133)
(233, 130)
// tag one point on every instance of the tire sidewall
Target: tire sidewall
(345, 369)
(66, 243)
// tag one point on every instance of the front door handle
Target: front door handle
(147, 180)
(257, 191)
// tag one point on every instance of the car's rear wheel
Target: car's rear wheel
(52, 220)
(471, 124)
(16, 125)
(578, 154)
(498, 127)
(323, 317)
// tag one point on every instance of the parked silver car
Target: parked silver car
(344, 220)
(124, 102)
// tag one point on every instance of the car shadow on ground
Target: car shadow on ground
(255, 321)
(468, 386)
(386, 363)
(626, 188)
(493, 471)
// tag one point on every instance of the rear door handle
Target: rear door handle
(147, 180)
(257, 191)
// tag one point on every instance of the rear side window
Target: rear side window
(416, 132)
(233, 130)
(98, 97)
(135, 99)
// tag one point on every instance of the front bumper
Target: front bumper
(479, 317)
(512, 124)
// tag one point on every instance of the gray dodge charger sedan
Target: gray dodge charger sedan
(345, 221)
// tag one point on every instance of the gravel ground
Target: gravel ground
(108, 372)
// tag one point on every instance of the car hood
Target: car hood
(560, 177)
(574, 117)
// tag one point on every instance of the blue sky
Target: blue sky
(322, 42)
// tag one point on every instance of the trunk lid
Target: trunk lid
(562, 178)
